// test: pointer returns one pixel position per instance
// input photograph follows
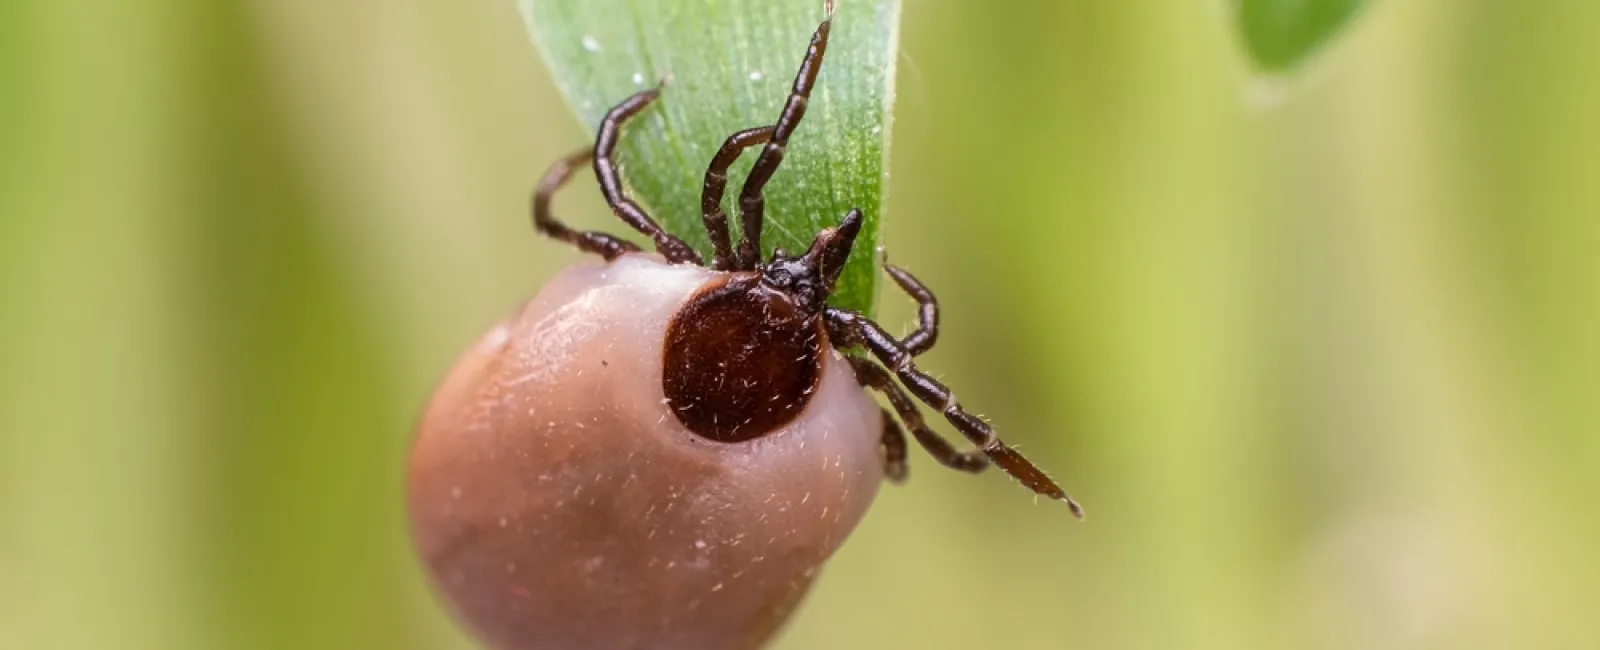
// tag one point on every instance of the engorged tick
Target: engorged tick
(744, 353)
(660, 452)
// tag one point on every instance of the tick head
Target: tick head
(810, 278)
(799, 278)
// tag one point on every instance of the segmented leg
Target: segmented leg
(927, 332)
(894, 449)
(717, 183)
(898, 360)
(605, 169)
(599, 243)
(872, 375)
(752, 205)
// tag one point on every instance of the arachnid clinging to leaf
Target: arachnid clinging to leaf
(659, 432)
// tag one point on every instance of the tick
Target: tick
(743, 355)
(660, 451)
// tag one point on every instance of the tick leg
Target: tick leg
(717, 183)
(872, 375)
(894, 449)
(898, 360)
(605, 169)
(752, 205)
(927, 332)
(601, 244)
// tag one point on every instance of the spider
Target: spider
(744, 354)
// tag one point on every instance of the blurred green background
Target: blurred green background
(1321, 354)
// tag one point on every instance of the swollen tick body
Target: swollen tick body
(659, 451)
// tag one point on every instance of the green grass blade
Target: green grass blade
(731, 64)
(1279, 34)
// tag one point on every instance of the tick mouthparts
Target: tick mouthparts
(850, 224)
(832, 247)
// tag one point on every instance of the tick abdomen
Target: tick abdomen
(654, 455)
(550, 475)
(741, 359)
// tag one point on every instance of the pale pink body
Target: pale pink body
(558, 502)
